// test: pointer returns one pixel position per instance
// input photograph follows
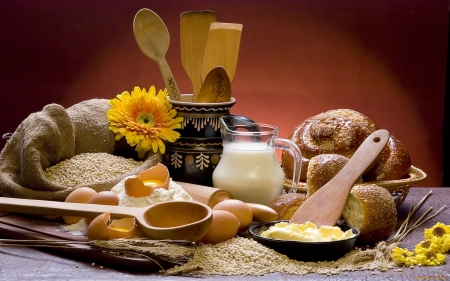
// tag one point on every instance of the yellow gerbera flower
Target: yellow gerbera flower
(145, 119)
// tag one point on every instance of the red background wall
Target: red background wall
(298, 58)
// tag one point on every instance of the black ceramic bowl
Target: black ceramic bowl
(306, 251)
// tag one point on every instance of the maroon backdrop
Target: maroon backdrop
(298, 58)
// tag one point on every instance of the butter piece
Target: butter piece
(307, 232)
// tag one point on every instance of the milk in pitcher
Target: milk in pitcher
(250, 172)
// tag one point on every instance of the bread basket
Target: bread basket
(398, 188)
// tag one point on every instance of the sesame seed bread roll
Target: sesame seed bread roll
(372, 210)
(286, 205)
(393, 163)
(321, 169)
(338, 131)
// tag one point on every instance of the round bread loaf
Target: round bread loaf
(338, 131)
(341, 131)
(372, 210)
(286, 205)
(393, 163)
(321, 169)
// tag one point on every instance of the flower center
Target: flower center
(147, 119)
(438, 232)
(426, 244)
(430, 255)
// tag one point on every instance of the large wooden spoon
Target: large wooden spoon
(216, 87)
(176, 220)
(153, 39)
(325, 206)
(222, 48)
(194, 29)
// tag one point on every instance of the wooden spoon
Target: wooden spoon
(153, 39)
(176, 220)
(222, 48)
(325, 206)
(216, 87)
(194, 29)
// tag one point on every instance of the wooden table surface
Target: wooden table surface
(34, 264)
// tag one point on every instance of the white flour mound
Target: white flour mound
(174, 192)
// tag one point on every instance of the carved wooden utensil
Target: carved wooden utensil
(194, 29)
(153, 39)
(216, 87)
(325, 206)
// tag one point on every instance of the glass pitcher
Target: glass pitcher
(249, 168)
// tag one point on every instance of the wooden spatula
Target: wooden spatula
(325, 206)
(222, 48)
(194, 29)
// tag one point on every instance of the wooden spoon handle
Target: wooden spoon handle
(325, 206)
(29, 206)
(169, 80)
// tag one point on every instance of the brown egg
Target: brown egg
(223, 227)
(79, 195)
(122, 228)
(97, 229)
(238, 208)
(134, 187)
(156, 177)
(103, 198)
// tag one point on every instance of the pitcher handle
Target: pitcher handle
(295, 152)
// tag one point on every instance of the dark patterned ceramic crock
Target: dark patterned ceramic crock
(195, 155)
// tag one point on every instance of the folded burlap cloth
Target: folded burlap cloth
(54, 134)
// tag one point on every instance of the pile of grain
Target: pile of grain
(89, 168)
(243, 256)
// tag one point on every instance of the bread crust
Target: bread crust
(337, 131)
(341, 131)
(286, 205)
(372, 210)
(321, 169)
(393, 163)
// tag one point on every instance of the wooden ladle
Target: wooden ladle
(176, 220)
(153, 39)
(216, 87)
(325, 206)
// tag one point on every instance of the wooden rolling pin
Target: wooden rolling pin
(211, 196)
(205, 194)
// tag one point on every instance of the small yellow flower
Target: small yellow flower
(401, 256)
(145, 119)
(440, 235)
(430, 258)
(427, 246)
(438, 230)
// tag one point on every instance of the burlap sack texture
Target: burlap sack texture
(54, 134)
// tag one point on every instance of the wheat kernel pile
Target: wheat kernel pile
(243, 256)
(87, 168)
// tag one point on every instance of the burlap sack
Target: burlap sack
(54, 134)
